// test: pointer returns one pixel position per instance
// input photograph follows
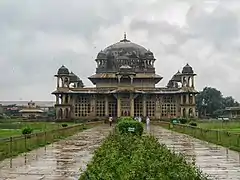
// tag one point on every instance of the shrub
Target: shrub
(193, 124)
(64, 125)
(27, 130)
(123, 157)
(127, 126)
(183, 121)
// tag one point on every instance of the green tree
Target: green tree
(212, 100)
(229, 101)
(209, 98)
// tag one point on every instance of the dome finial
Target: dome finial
(125, 36)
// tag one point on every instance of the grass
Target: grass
(8, 129)
(222, 126)
(12, 146)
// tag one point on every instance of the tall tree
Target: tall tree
(209, 98)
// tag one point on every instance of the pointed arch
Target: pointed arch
(60, 113)
(190, 112)
(184, 113)
(66, 113)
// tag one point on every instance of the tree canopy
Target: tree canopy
(212, 101)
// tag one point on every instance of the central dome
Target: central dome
(125, 53)
(127, 46)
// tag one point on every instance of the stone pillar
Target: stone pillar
(118, 106)
(57, 99)
(181, 102)
(194, 99)
(63, 98)
(132, 105)
(144, 106)
(187, 98)
(106, 106)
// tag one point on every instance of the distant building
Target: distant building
(31, 111)
(233, 112)
(125, 85)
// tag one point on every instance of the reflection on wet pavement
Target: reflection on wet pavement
(63, 160)
(216, 161)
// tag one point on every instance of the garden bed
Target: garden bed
(130, 156)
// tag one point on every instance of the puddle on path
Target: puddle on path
(63, 160)
(216, 161)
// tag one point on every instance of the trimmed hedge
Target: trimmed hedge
(124, 124)
(124, 157)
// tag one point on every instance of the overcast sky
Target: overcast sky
(38, 36)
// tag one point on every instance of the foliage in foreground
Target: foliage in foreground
(124, 124)
(27, 130)
(126, 157)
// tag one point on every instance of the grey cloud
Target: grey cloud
(39, 36)
(219, 26)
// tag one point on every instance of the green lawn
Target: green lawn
(8, 129)
(219, 125)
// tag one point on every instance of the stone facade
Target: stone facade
(125, 85)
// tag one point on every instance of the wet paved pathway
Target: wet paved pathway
(216, 161)
(66, 159)
(63, 160)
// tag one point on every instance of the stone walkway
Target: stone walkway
(63, 160)
(216, 161)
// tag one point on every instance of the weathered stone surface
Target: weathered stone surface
(64, 160)
(216, 161)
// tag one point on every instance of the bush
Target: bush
(123, 157)
(193, 124)
(64, 125)
(27, 130)
(126, 126)
(183, 121)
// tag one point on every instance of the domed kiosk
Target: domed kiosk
(125, 85)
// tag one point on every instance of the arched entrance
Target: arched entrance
(60, 113)
(66, 113)
(184, 112)
(190, 112)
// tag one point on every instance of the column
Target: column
(57, 99)
(132, 105)
(144, 106)
(106, 106)
(118, 107)
(181, 99)
(194, 99)
(187, 98)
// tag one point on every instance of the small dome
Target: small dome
(80, 84)
(101, 55)
(63, 71)
(177, 77)
(187, 69)
(73, 77)
(149, 55)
